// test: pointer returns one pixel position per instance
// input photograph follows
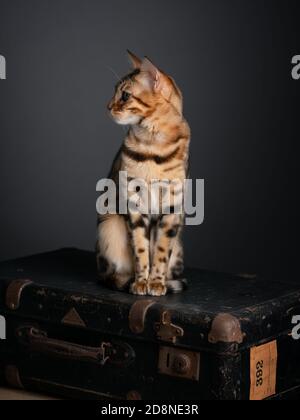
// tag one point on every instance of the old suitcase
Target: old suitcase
(226, 338)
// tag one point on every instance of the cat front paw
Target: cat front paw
(156, 288)
(139, 288)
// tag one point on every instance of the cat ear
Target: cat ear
(134, 60)
(152, 73)
(158, 80)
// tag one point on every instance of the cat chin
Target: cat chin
(132, 120)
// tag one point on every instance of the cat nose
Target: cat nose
(110, 106)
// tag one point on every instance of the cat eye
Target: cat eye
(125, 96)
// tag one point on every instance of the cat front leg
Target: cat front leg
(138, 225)
(167, 231)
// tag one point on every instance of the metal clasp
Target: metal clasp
(105, 356)
(166, 331)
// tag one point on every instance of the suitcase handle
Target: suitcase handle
(36, 340)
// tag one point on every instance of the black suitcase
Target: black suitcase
(226, 338)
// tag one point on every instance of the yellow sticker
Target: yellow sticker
(263, 371)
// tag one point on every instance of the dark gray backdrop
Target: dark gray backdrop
(232, 60)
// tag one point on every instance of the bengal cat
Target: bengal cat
(144, 251)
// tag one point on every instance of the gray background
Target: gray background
(232, 59)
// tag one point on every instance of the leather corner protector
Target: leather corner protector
(137, 315)
(133, 396)
(12, 377)
(14, 293)
(226, 329)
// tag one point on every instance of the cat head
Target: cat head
(143, 92)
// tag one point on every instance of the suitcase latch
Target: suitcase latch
(166, 331)
(179, 363)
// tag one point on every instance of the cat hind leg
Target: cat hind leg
(175, 281)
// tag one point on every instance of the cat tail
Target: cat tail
(177, 286)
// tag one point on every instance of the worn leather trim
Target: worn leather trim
(137, 315)
(14, 293)
(12, 377)
(226, 329)
(133, 396)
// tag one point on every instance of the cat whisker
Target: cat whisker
(114, 73)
